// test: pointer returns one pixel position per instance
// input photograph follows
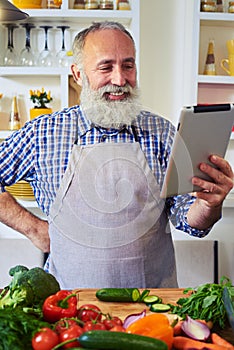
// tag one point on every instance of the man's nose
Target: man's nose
(118, 77)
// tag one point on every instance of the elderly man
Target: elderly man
(97, 170)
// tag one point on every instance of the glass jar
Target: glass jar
(208, 6)
(91, 4)
(106, 5)
(123, 5)
(54, 4)
(79, 4)
(231, 7)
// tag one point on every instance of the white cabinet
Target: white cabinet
(205, 26)
(21, 79)
(219, 27)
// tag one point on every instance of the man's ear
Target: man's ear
(76, 74)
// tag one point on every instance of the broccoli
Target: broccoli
(28, 287)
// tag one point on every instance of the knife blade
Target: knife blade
(229, 306)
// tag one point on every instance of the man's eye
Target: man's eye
(128, 66)
(105, 68)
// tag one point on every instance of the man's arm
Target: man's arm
(207, 208)
(18, 218)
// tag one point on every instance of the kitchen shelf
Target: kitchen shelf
(221, 19)
(22, 71)
(78, 16)
(216, 79)
(218, 26)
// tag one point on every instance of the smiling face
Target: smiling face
(109, 58)
(108, 78)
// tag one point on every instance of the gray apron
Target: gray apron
(107, 225)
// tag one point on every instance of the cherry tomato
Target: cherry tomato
(113, 321)
(72, 332)
(93, 325)
(64, 324)
(45, 339)
(118, 329)
(89, 312)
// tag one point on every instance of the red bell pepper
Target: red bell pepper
(60, 305)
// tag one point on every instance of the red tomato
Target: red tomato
(72, 332)
(111, 322)
(45, 339)
(89, 312)
(118, 329)
(91, 325)
(64, 324)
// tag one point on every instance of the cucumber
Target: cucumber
(119, 341)
(143, 295)
(118, 294)
(151, 299)
(160, 307)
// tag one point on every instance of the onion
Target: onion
(132, 318)
(195, 329)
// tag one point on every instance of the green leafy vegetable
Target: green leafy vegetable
(17, 329)
(205, 302)
(28, 287)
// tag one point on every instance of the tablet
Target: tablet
(202, 130)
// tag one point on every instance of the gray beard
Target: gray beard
(106, 113)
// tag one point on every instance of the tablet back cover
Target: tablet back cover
(202, 131)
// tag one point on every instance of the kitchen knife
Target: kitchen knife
(229, 306)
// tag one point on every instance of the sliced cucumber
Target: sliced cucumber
(143, 295)
(119, 341)
(157, 307)
(151, 299)
(118, 294)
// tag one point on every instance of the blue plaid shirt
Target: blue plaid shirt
(39, 153)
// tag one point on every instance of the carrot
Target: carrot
(183, 343)
(216, 339)
(177, 328)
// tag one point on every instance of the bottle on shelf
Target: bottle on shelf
(219, 6)
(210, 68)
(14, 121)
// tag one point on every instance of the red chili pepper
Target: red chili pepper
(60, 305)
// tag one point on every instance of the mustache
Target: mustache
(109, 88)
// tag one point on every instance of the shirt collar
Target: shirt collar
(86, 125)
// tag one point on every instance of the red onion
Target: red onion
(195, 329)
(132, 318)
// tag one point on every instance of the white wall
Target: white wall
(162, 42)
(165, 81)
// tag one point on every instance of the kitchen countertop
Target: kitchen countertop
(168, 295)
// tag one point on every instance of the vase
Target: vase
(35, 112)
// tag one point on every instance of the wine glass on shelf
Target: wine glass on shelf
(46, 57)
(61, 56)
(10, 57)
(26, 55)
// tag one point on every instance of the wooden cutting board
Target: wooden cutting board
(168, 295)
(123, 309)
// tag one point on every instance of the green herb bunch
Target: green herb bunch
(205, 302)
